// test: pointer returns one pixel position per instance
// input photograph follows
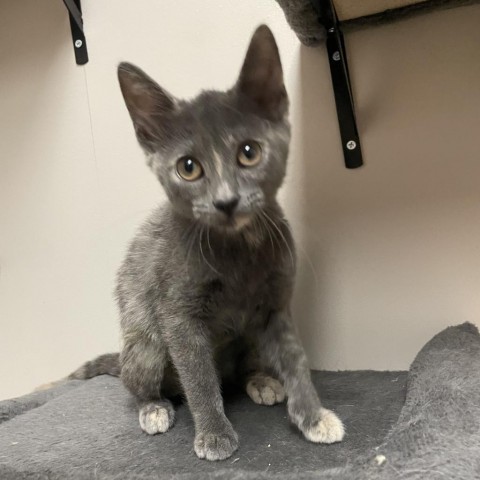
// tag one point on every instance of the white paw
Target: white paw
(329, 429)
(156, 418)
(265, 390)
(215, 446)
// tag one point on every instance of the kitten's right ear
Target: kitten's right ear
(148, 104)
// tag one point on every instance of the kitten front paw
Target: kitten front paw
(213, 446)
(265, 390)
(328, 428)
(156, 417)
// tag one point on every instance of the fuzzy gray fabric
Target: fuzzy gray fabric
(89, 429)
(303, 19)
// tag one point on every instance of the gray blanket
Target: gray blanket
(304, 20)
(426, 425)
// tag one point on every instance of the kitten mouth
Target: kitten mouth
(236, 223)
(241, 221)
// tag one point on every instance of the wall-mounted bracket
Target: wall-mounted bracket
(337, 58)
(78, 36)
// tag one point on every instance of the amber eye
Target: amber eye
(189, 169)
(249, 154)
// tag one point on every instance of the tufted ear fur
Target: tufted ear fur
(261, 77)
(149, 105)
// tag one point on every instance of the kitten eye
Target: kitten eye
(189, 169)
(249, 154)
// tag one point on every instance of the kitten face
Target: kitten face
(222, 156)
(216, 135)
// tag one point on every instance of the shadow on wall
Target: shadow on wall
(388, 241)
(315, 159)
(40, 37)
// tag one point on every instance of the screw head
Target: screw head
(78, 43)
(336, 56)
(351, 145)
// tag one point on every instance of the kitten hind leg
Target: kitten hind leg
(145, 373)
(156, 416)
(260, 386)
(264, 390)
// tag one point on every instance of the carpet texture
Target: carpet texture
(304, 21)
(424, 425)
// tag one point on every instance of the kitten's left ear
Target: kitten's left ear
(261, 77)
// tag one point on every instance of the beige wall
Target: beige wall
(389, 254)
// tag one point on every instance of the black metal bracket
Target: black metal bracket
(78, 35)
(337, 58)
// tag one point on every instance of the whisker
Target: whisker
(257, 232)
(201, 251)
(208, 240)
(271, 232)
(264, 223)
(282, 236)
(309, 262)
(191, 242)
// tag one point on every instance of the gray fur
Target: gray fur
(204, 294)
(107, 364)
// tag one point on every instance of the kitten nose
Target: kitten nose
(227, 205)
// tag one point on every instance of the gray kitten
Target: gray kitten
(204, 292)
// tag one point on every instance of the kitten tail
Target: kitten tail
(107, 364)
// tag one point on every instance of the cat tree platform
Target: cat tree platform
(420, 424)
